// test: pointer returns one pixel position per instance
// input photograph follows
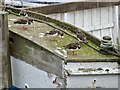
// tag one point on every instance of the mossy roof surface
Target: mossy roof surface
(34, 32)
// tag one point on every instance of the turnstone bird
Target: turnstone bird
(107, 70)
(73, 46)
(80, 35)
(23, 13)
(24, 21)
(54, 33)
(93, 83)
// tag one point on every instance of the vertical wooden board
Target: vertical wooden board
(96, 17)
(53, 16)
(104, 15)
(116, 26)
(105, 32)
(65, 17)
(110, 32)
(70, 17)
(87, 19)
(79, 18)
(91, 32)
(58, 16)
(62, 16)
(50, 15)
(97, 34)
(110, 14)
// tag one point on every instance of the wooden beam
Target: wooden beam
(5, 67)
(67, 7)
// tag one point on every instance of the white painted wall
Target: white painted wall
(78, 79)
(106, 81)
(97, 21)
(26, 74)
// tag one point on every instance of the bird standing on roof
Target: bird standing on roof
(94, 83)
(73, 46)
(23, 13)
(54, 33)
(80, 35)
(24, 21)
(107, 70)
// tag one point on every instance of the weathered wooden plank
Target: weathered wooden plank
(5, 68)
(67, 7)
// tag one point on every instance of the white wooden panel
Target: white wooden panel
(79, 18)
(58, 16)
(110, 15)
(104, 15)
(53, 16)
(96, 17)
(65, 17)
(105, 32)
(111, 33)
(97, 34)
(87, 19)
(62, 16)
(70, 17)
(97, 27)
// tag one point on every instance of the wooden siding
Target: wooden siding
(97, 21)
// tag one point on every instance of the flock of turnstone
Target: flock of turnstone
(53, 33)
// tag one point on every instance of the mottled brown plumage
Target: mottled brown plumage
(73, 46)
(80, 35)
(54, 33)
(24, 21)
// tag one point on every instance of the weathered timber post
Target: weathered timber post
(5, 67)
(119, 24)
(1, 4)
